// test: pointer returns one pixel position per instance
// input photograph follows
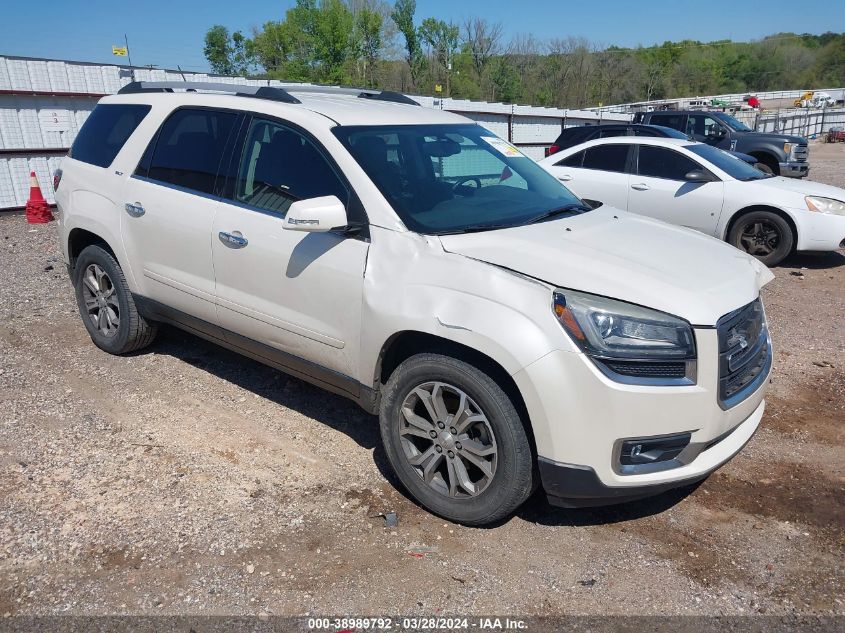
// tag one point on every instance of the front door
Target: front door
(169, 210)
(297, 292)
(659, 189)
(707, 129)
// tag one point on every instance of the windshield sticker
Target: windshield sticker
(503, 147)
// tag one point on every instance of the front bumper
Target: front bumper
(818, 231)
(794, 169)
(579, 416)
(578, 486)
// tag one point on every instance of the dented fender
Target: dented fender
(412, 284)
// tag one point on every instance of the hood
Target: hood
(774, 138)
(628, 257)
(801, 188)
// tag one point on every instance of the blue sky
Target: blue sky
(171, 33)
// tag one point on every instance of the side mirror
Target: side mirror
(698, 175)
(316, 215)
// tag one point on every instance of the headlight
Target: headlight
(825, 205)
(628, 342)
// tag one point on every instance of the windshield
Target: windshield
(456, 178)
(733, 123)
(728, 163)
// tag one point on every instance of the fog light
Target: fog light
(653, 450)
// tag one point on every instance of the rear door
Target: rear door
(296, 292)
(659, 190)
(673, 120)
(169, 209)
(597, 173)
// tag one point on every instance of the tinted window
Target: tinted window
(280, 166)
(617, 131)
(659, 162)
(105, 131)
(674, 121)
(606, 157)
(573, 161)
(189, 147)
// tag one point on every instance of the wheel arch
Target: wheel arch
(768, 159)
(763, 207)
(79, 239)
(402, 345)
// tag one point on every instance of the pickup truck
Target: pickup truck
(779, 154)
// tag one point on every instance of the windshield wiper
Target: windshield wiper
(573, 208)
(477, 228)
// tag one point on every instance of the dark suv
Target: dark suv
(780, 154)
(573, 136)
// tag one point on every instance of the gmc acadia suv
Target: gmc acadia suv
(507, 335)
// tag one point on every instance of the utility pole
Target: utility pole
(128, 54)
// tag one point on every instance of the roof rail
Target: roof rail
(273, 93)
(363, 93)
(259, 92)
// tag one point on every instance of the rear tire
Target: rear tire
(106, 305)
(764, 235)
(466, 455)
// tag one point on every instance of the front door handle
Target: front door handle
(640, 186)
(136, 210)
(234, 239)
(565, 178)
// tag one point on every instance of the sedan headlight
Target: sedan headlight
(825, 205)
(627, 342)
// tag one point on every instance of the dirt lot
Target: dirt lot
(185, 479)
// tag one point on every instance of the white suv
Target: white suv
(506, 334)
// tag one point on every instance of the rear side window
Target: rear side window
(675, 121)
(189, 147)
(105, 131)
(659, 162)
(606, 157)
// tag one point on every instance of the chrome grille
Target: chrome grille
(801, 153)
(745, 354)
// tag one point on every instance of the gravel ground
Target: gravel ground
(187, 480)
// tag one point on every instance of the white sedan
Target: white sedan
(703, 188)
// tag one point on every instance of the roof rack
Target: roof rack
(259, 92)
(273, 93)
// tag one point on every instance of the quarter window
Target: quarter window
(105, 131)
(189, 148)
(606, 157)
(659, 162)
(280, 166)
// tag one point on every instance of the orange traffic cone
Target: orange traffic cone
(37, 209)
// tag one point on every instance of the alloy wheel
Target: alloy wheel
(760, 238)
(100, 299)
(448, 440)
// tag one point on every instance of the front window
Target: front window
(728, 163)
(734, 124)
(456, 178)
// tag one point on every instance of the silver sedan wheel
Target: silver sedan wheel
(100, 300)
(448, 440)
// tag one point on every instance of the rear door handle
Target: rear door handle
(136, 210)
(233, 239)
(565, 178)
(640, 186)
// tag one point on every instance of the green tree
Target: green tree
(442, 37)
(368, 39)
(228, 55)
(403, 16)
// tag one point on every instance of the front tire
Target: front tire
(106, 306)
(764, 235)
(455, 440)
